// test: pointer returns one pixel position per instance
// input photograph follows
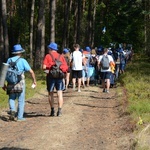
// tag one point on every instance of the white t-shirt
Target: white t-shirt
(77, 58)
(110, 59)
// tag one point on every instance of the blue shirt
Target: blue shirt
(22, 64)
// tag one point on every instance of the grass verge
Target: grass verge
(136, 80)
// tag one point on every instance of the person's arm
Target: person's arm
(33, 76)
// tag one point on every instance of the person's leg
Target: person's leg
(21, 104)
(79, 84)
(50, 88)
(74, 79)
(79, 76)
(12, 106)
(59, 86)
(51, 102)
(107, 84)
(102, 74)
(107, 77)
(67, 80)
(83, 78)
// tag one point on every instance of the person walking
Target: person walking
(66, 55)
(23, 66)
(56, 83)
(88, 71)
(105, 72)
(77, 59)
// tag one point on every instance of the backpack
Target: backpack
(55, 71)
(105, 62)
(93, 61)
(67, 61)
(13, 76)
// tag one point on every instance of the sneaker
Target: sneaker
(59, 114)
(52, 113)
(107, 91)
(79, 90)
(12, 116)
(21, 119)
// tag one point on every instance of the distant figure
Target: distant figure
(88, 71)
(105, 72)
(66, 54)
(77, 60)
(52, 82)
(18, 90)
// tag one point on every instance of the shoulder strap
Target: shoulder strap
(52, 57)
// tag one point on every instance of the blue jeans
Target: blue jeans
(21, 102)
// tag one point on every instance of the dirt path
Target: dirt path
(91, 121)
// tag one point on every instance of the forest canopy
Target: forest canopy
(36, 23)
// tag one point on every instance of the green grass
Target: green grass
(41, 84)
(137, 82)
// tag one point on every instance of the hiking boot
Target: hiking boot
(52, 113)
(59, 114)
(12, 116)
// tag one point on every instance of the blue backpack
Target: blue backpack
(13, 76)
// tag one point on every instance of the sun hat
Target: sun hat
(53, 46)
(88, 49)
(65, 50)
(17, 49)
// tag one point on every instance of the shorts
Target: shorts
(54, 83)
(76, 74)
(105, 75)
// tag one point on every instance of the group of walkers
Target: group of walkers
(85, 66)
(76, 69)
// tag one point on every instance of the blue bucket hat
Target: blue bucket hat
(88, 49)
(65, 50)
(53, 46)
(17, 49)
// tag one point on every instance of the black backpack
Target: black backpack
(55, 71)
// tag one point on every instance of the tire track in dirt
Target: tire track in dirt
(90, 121)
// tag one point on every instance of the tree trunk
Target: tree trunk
(52, 20)
(89, 32)
(31, 31)
(66, 19)
(40, 36)
(1, 40)
(5, 29)
(93, 23)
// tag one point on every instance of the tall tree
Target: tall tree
(5, 28)
(66, 21)
(40, 36)
(1, 39)
(31, 30)
(52, 20)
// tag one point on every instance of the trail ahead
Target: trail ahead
(91, 120)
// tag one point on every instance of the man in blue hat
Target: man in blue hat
(56, 83)
(22, 66)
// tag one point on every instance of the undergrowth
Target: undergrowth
(136, 80)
